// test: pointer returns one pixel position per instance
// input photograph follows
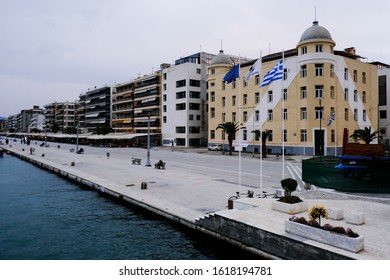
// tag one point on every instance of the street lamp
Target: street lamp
(321, 129)
(45, 135)
(148, 153)
(77, 138)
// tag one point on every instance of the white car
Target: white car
(215, 147)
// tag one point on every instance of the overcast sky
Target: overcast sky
(54, 50)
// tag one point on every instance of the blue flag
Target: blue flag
(275, 74)
(332, 116)
(234, 73)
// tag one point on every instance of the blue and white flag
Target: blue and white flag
(332, 116)
(234, 73)
(254, 70)
(275, 74)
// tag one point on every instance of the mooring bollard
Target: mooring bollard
(108, 155)
(144, 186)
(43, 155)
(72, 163)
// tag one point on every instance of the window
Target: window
(270, 115)
(364, 78)
(194, 106)
(270, 96)
(245, 83)
(355, 114)
(194, 83)
(223, 86)
(332, 136)
(303, 113)
(198, 71)
(303, 135)
(364, 97)
(198, 117)
(346, 94)
(234, 117)
(212, 71)
(212, 134)
(319, 68)
(245, 101)
(355, 76)
(364, 115)
(319, 48)
(234, 84)
(212, 113)
(233, 100)
(180, 95)
(303, 71)
(181, 83)
(382, 114)
(245, 116)
(257, 115)
(223, 135)
(164, 119)
(355, 95)
(285, 74)
(285, 135)
(346, 74)
(303, 93)
(164, 108)
(284, 114)
(346, 114)
(212, 96)
(257, 97)
(285, 94)
(223, 117)
(180, 106)
(195, 94)
(165, 76)
(270, 135)
(319, 90)
(180, 129)
(244, 135)
(223, 101)
(382, 86)
(194, 129)
(191, 117)
(164, 97)
(257, 79)
(304, 50)
(332, 92)
(332, 71)
(165, 87)
(318, 113)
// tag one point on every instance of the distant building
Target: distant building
(184, 101)
(59, 116)
(317, 83)
(97, 108)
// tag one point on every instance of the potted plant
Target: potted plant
(288, 203)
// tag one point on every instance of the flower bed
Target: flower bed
(334, 236)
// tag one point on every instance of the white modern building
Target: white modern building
(184, 101)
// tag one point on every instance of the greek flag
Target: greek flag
(275, 74)
(332, 116)
(254, 70)
(233, 74)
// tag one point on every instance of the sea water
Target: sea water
(45, 217)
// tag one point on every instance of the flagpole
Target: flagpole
(240, 122)
(261, 129)
(282, 91)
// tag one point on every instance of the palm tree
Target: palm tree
(230, 128)
(365, 134)
(264, 137)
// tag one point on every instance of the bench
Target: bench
(135, 160)
(159, 165)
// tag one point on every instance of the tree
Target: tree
(365, 135)
(230, 128)
(103, 129)
(264, 137)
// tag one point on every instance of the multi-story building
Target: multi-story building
(384, 102)
(184, 101)
(24, 119)
(123, 108)
(97, 108)
(59, 116)
(317, 82)
(80, 114)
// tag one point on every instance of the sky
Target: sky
(54, 50)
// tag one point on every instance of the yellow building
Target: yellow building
(317, 80)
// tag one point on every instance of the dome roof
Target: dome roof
(221, 58)
(315, 32)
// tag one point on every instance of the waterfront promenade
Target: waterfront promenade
(185, 195)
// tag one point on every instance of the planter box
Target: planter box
(288, 208)
(334, 239)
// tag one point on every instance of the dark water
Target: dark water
(43, 216)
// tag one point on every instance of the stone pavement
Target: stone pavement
(189, 196)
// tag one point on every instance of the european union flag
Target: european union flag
(275, 74)
(234, 73)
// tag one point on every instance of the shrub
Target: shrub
(290, 199)
(340, 230)
(289, 185)
(351, 233)
(327, 227)
(313, 223)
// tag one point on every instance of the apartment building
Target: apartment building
(97, 108)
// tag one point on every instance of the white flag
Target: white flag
(254, 70)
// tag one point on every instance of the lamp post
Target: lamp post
(148, 153)
(45, 135)
(320, 130)
(77, 138)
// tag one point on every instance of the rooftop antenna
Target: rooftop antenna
(221, 44)
(315, 13)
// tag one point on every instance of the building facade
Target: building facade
(322, 91)
(59, 116)
(97, 108)
(384, 102)
(184, 101)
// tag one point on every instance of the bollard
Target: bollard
(43, 155)
(144, 186)
(230, 204)
(108, 155)
(72, 163)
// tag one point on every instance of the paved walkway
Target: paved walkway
(190, 197)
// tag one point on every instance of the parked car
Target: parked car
(215, 147)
